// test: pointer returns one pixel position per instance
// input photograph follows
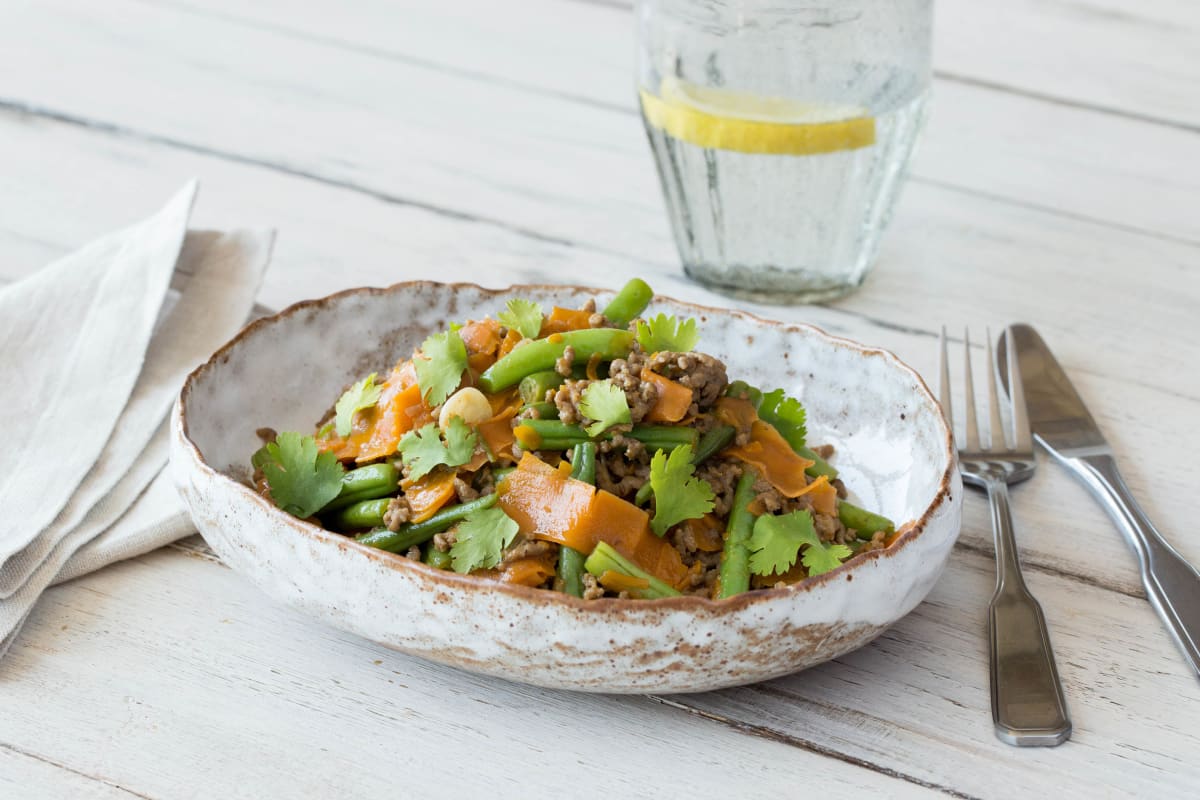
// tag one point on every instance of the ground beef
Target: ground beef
(876, 543)
(592, 590)
(413, 553)
(824, 450)
(486, 481)
(622, 471)
(563, 365)
(463, 491)
(841, 488)
(444, 541)
(828, 528)
(567, 398)
(267, 435)
(701, 373)
(526, 548)
(626, 373)
(722, 476)
(397, 513)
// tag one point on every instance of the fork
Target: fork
(1028, 708)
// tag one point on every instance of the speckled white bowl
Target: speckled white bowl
(894, 452)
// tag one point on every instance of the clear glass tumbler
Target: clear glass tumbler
(782, 131)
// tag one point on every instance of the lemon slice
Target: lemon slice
(720, 119)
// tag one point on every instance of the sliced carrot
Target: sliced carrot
(543, 503)
(497, 435)
(429, 493)
(627, 528)
(734, 411)
(531, 571)
(478, 362)
(509, 342)
(706, 533)
(620, 582)
(769, 453)
(824, 495)
(482, 337)
(673, 401)
(547, 504)
(561, 320)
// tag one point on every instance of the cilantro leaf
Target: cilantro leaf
(460, 442)
(302, 480)
(440, 366)
(481, 538)
(363, 394)
(786, 415)
(663, 333)
(604, 402)
(423, 449)
(777, 540)
(678, 494)
(523, 316)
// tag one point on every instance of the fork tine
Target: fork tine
(996, 432)
(1022, 437)
(944, 378)
(972, 441)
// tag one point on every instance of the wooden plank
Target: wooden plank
(33, 778)
(169, 673)
(1137, 59)
(370, 242)
(918, 697)
(1009, 145)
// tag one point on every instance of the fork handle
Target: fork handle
(1172, 585)
(1028, 707)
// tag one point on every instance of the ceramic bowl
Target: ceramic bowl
(893, 450)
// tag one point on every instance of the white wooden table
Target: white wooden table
(498, 142)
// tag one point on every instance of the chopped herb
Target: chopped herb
(301, 478)
(663, 333)
(440, 366)
(480, 540)
(523, 316)
(423, 449)
(678, 494)
(363, 394)
(777, 540)
(604, 402)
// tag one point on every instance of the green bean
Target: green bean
(360, 516)
(605, 559)
(711, 443)
(820, 466)
(552, 434)
(629, 302)
(540, 354)
(533, 387)
(867, 523)
(499, 473)
(734, 576)
(570, 561)
(663, 437)
(365, 483)
(436, 558)
(421, 532)
(542, 410)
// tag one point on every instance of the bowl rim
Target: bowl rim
(449, 580)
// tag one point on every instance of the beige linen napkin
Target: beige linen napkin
(109, 376)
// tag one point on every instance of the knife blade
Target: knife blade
(1062, 425)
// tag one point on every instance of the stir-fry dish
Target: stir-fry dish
(585, 451)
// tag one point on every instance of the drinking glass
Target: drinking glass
(782, 131)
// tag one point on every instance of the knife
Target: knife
(1061, 423)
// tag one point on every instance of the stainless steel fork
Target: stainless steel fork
(1028, 708)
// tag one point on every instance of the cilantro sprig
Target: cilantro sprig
(480, 540)
(302, 479)
(605, 402)
(786, 415)
(524, 316)
(664, 333)
(678, 494)
(361, 395)
(777, 540)
(440, 366)
(423, 449)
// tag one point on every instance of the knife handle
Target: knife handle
(1172, 585)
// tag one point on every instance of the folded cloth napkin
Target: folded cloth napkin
(95, 348)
